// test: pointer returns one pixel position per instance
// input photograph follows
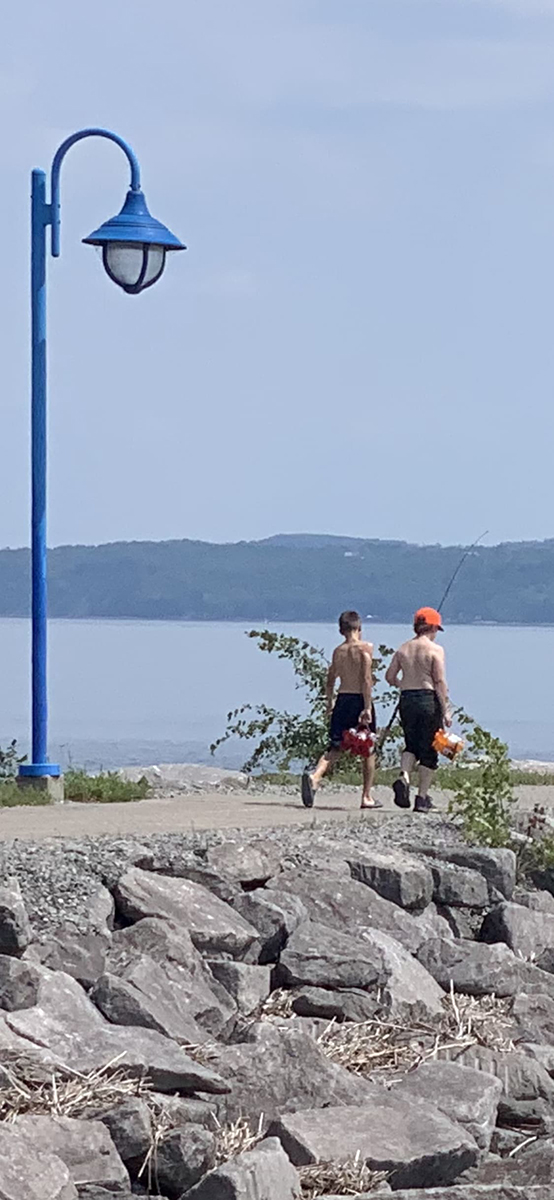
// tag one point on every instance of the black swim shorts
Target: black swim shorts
(421, 717)
(348, 709)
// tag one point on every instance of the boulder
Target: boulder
(179, 1111)
(251, 864)
(459, 887)
(464, 1094)
(15, 927)
(532, 1116)
(477, 969)
(346, 1005)
(19, 983)
(468, 1191)
(275, 915)
(389, 1132)
(410, 992)
(101, 911)
(497, 866)
(534, 1018)
(144, 995)
(248, 985)
(167, 861)
(182, 964)
(82, 955)
(264, 1173)
(351, 907)
(538, 901)
(85, 1147)
(280, 1070)
(395, 875)
(527, 932)
(323, 957)
(521, 1077)
(215, 928)
(129, 1124)
(533, 1166)
(66, 1024)
(183, 1157)
(24, 1175)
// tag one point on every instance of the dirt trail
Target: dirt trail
(208, 810)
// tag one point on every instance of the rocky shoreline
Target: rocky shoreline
(352, 1010)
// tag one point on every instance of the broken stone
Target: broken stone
(15, 927)
(167, 862)
(250, 864)
(395, 876)
(459, 887)
(526, 931)
(477, 969)
(468, 1096)
(215, 928)
(130, 1126)
(537, 901)
(85, 1147)
(534, 1018)
(281, 1070)
(183, 1158)
(26, 1175)
(521, 1077)
(81, 955)
(145, 996)
(532, 1166)
(101, 911)
(410, 992)
(390, 1133)
(497, 866)
(274, 915)
(323, 957)
(248, 985)
(264, 1173)
(19, 983)
(346, 1005)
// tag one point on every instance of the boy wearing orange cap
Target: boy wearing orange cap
(418, 669)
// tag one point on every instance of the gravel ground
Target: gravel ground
(58, 875)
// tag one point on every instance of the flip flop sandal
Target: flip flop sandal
(401, 791)
(308, 791)
(376, 804)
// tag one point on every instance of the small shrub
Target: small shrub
(10, 760)
(483, 797)
(106, 788)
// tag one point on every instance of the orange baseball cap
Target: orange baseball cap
(430, 616)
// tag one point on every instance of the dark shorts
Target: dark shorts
(347, 711)
(421, 716)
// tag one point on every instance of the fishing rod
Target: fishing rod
(386, 731)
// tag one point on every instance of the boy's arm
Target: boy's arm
(367, 683)
(392, 673)
(438, 673)
(332, 676)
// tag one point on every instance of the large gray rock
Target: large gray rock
(168, 861)
(477, 969)
(85, 1147)
(66, 1024)
(529, 1168)
(264, 1173)
(468, 1191)
(520, 1076)
(144, 995)
(15, 927)
(537, 901)
(27, 1173)
(534, 1018)
(82, 955)
(19, 983)
(526, 931)
(459, 887)
(247, 863)
(498, 866)
(465, 1095)
(352, 907)
(323, 957)
(215, 928)
(281, 1070)
(410, 992)
(181, 963)
(275, 915)
(344, 1005)
(389, 1132)
(129, 1124)
(183, 1157)
(101, 911)
(248, 985)
(395, 875)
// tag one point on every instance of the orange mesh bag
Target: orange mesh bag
(448, 744)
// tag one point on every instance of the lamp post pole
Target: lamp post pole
(134, 249)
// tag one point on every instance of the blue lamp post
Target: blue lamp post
(134, 248)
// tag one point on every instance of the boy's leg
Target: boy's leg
(327, 760)
(425, 777)
(368, 772)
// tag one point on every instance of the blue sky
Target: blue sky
(359, 338)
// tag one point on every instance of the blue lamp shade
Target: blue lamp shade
(134, 245)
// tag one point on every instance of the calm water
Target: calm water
(144, 692)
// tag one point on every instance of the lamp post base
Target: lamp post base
(43, 778)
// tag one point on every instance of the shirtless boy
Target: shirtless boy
(351, 663)
(418, 668)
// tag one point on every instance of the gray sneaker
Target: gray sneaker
(423, 804)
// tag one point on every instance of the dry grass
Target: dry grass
(235, 1139)
(385, 1046)
(62, 1094)
(339, 1179)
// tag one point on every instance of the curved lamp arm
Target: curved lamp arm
(56, 167)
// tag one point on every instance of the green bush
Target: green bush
(483, 796)
(106, 788)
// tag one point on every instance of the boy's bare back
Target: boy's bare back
(351, 663)
(420, 663)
